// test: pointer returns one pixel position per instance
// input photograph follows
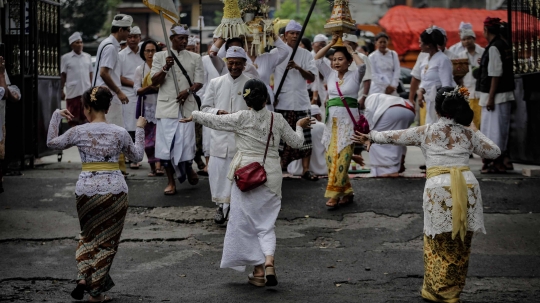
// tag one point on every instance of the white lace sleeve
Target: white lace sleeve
(411, 136)
(66, 140)
(134, 152)
(484, 147)
(292, 138)
(227, 123)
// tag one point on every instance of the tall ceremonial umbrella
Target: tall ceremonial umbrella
(276, 97)
(166, 10)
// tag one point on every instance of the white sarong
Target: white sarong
(250, 235)
(115, 115)
(496, 124)
(220, 185)
(386, 159)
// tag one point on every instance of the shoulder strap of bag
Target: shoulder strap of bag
(97, 64)
(269, 135)
(182, 68)
(346, 105)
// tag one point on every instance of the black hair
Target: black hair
(236, 39)
(330, 52)
(143, 46)
(345, 53)
(435, 39)
(307, 43)
(103, 97)
(381, 35)
(453, 107)
(258, 95)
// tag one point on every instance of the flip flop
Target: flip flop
(170, 192)
(159, 172)
(310, 176)
(348, 200)
(332, 206)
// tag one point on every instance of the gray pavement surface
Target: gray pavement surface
(171, 249)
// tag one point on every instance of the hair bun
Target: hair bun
(458, 109)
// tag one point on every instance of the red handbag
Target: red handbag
(253, 175)
(362, 124)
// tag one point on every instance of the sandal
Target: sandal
(332, 205)
(192, 177)
(271, 277)
(257, 281)
(345, 200)
(78, 292)
(170, 192)
(310, 176)
(152, 173)
(160, 172)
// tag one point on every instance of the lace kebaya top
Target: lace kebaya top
(98, 142)
(449, 144)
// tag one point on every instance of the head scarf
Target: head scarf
(350, 38)
(236, 52)
(315, 110)
(135, 31)
(320, 38)
(126, 21)
(293, 26)
(179, 29)
(76, 36)
(467, 33)
(490, 22)
(440, 29)
(464, 25)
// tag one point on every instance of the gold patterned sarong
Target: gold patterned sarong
(446, 262)
(339, 184)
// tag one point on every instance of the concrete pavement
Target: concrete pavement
(171, 249)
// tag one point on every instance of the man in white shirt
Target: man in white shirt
(107, 72)
(293, 100)
(77, 67)
(473, 52)
(130, 59)
(319, 86)
(175, 142)
(224, 96)
(318, 159)
(460, 47)
(352, 40)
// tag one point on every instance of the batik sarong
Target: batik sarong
(339, 184)
(150, 142)
(287, 153)
(445, 264)
(102, 219)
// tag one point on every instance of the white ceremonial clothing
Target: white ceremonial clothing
(367, 76)
(436, 72)
(433, 140)
(149, 101)
(349, 88)
(78, 70)
(317, 164)
(266, 64)
(383, 114)
(385, 70)
(319, 84)
(294, 95)
(495, 69)
(469, 81)
(223, 93)
(250, 70)
(107, 56)
(129, 61)
(416, 71)
(167, 107)
(458, 48)
(495, 124)
(451, 55)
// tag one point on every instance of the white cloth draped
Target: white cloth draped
(496, 124)
(317, 165)
(220, 186)
(385, 70)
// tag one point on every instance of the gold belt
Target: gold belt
(100, 166)
(458, 190)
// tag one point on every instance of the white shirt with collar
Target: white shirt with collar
(495, 69)
(469, 81)
(107, 56)
(458, 48)
(294, 95)
(78, 69)
(129, 61)
(386, 71)
(224, 93)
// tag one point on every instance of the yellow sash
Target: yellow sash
(458, 190)
(100, 166)
(147, 81)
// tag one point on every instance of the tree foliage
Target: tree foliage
(318, 18)
(85, 16)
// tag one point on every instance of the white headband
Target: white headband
(350, 38)
(76, 36)
(467, 33)
(320, 38)
(180, 29)
(293, 26)
(126, 21)
(135, 31)
(236, 52)
(315, 110)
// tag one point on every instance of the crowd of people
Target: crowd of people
(222, 111)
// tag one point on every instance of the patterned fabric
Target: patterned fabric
(150, 142)
(76, 108)
(338, 163)
(446, 262)
(287, 153)
(448, 144)
(98, 142)
(102, 219)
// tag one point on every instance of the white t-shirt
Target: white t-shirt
(77, 69)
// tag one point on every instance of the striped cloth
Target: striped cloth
(287, 153)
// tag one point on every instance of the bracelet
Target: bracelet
(165, 70)
(364, 95)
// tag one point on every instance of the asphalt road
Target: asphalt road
(171, 249)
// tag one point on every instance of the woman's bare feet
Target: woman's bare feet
(332, 203)
(170, 190)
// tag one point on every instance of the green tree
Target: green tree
(318, 18)
(85, 16)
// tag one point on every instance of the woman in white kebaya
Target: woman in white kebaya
(385, 68)
(250, 238)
